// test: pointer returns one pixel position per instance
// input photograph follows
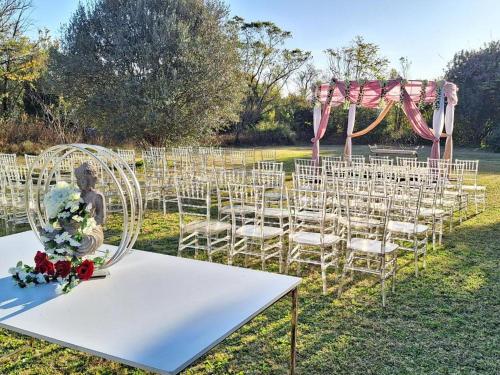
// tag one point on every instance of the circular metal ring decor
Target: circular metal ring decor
(117, 181)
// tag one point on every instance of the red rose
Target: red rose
(45, 267)
(40, 257)
(85, 270)
(63, 268)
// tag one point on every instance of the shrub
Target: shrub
(492, 140)
(265, 133)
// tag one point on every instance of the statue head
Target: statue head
(86, 176)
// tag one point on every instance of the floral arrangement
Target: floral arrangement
(69, 219)
(68, 273)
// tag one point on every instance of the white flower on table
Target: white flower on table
(14, 270)
(77, 218)
(40, 278)
(44, 239)
(74, 243)
(63, 237)
(48, 228)
(22, 275)
(91, 224)
(63, 215)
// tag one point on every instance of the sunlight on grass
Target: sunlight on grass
(445, 321)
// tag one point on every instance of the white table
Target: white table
(154, 312)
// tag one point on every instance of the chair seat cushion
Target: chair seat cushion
(427, 211)
(314, 216)
(256, 231)
(273, 195)
(405, 227)
(473, 187)
(275, 212)
(314, 239)
(204, 226)
(359, 222)
(238, 208)
(370, 246)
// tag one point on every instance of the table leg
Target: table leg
(293, 351)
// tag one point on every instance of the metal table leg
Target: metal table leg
(293, 351)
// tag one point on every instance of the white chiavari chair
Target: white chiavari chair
(154, 174)
(453, 196)
(303, 181)
(405, 226)
(369, 248)
(225, 178)
(275, 209)
(299, 164)
(268, 154)
(380, 160)
(8, 159)
(253, 237)
(313, 235)
(198, 231)
(470, 183)
(270, 166)
(13, 179)
(404, 161)
(128, 156)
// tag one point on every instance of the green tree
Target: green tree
(160, 71)
(477, 75)
(267, 66)
(22, 61)
(358, 60)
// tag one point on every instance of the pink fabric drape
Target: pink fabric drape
(418, 123)
(334, 94)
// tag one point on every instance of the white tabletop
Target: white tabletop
(154, 311)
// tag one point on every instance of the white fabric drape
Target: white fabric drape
(449, 118)
(438, 117)
(350, 128)
(316, 122)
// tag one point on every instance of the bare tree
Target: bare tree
(305, 79)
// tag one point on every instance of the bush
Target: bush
(25, 136)
(264, 134)
(492, 140)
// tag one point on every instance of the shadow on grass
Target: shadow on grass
(444, 321)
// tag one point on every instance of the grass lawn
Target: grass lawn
(446, 321)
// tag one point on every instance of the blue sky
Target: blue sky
(428, 32)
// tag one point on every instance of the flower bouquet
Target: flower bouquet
(69, 222)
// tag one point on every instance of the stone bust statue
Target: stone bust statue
(86, 179)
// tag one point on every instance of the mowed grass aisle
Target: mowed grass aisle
(446, 321)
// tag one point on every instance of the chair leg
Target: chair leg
(262, 256)
(209, 247)
(323, 275)
(394, 271)
(382, 284)
(415, 252)
(281, 255)
(288, 256)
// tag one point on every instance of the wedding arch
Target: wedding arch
(379, 93)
